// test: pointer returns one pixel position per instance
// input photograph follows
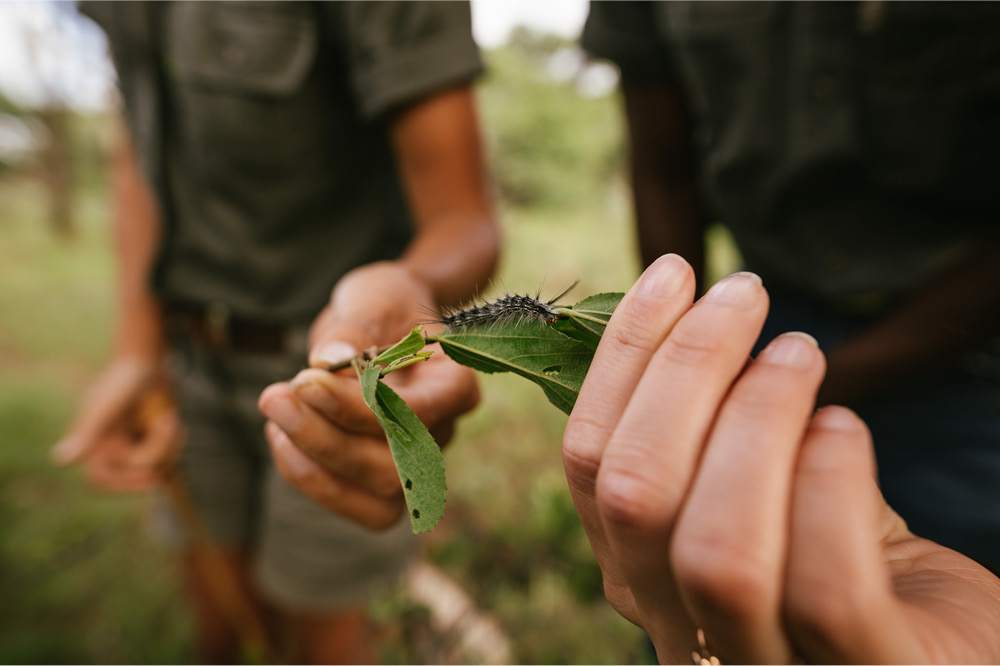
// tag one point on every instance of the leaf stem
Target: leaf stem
(368, 355)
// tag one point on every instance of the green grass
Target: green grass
(79, 582)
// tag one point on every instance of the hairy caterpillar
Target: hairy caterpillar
(512, 308)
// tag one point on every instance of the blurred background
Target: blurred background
(80, 582)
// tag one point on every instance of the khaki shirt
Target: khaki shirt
(851, 147)
(262, 126)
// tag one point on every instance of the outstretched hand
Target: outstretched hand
(324, 439)
(715, 498)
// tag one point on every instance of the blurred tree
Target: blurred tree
(53, 113)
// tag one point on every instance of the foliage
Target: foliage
(550, 146)
(418, 458)
(556, 358)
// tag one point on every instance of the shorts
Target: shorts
(304, 557)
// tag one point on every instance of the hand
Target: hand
(324, 439)
(127, 433)
(714, 498)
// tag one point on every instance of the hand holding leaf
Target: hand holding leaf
(556, 356)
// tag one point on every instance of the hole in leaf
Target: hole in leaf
(408, 485)
(416, 513)
(552, 370)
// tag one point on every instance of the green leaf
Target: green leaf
(405, 361)
(418, 458)
(587, 320)
(408, 346)
(533, 350)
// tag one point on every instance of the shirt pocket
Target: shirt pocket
(251, 48)
(243, 94)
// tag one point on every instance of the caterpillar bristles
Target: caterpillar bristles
(508, 309)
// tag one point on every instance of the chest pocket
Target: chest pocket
(244, 95)
(255, 48)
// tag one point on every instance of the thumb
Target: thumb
(331, 353)
(372, 305)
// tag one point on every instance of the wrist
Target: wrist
(140, 334)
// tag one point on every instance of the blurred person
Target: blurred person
(850, 149)
(297, 182)
(732, 521)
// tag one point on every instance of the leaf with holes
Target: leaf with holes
(417, 456)
(536, 351)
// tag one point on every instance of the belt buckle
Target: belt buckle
(218, 324)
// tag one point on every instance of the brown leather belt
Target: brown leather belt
(215, 327)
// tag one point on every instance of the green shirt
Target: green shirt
(262, 126)
(851, 147)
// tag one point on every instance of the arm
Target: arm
(939, 323)
(715, 499)
(457, 245)
(117, 453)
(668, 210)
(139, 330)
(324, 439)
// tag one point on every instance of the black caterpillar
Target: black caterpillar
(512, 308)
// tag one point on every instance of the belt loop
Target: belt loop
(218, 321)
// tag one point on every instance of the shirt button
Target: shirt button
(824, 88)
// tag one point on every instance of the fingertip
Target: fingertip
(286, 454)
(836, 418)
(667, 275)
(66, 450)
(794, 349)
(271, 393)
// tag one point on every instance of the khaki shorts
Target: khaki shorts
(305, 558)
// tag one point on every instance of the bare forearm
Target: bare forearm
(944, 320)
(457, 241)
(139, 329)
(455, 260)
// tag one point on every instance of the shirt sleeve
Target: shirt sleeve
(398, 52)
(629, 35)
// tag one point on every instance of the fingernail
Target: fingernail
(663, 276)
(835, 417)
(283, 411)
(795, 349)
(65, 450)
(740, 289)
(315, 394)
(297, 462)
(302, 379)
(333, 353)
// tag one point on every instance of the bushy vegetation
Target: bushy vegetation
(551, 145)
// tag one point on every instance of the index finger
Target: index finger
(438, 391)
(641, 322)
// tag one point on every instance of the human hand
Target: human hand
(324, 439)
(127, 433)
(714, 498)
